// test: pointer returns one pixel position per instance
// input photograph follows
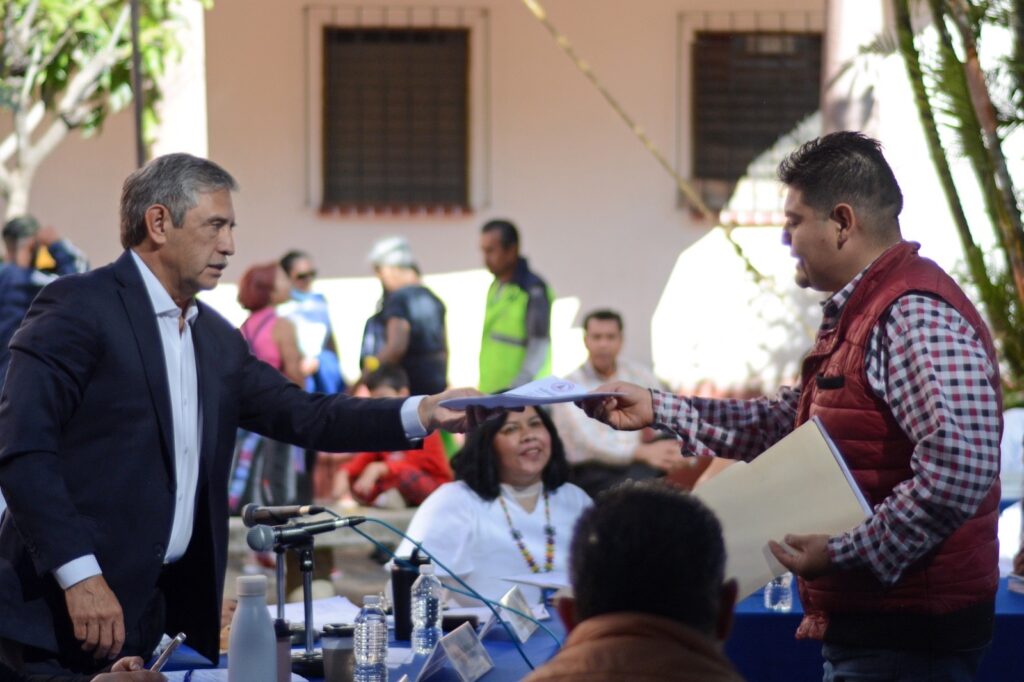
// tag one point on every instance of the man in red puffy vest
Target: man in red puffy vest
(903, 374)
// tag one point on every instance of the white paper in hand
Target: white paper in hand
(541, 392)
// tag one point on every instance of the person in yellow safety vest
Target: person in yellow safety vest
(516, 344)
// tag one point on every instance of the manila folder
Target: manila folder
(800, 485)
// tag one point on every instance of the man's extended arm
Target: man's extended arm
(737, 429)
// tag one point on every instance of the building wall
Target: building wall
(599, 217)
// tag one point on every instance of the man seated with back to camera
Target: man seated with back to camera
(600, 456)
(647, 566)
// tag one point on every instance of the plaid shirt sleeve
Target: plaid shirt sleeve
(737, 429)
(928, 364)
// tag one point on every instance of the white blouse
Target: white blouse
(471, 536)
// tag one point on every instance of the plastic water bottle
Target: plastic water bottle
(778, 593)
(371, 645)
(426, 610)
(252, 649)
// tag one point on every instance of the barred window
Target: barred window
(749, 88)
(395, 118)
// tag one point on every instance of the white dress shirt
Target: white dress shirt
(588, 440)
(472, 538)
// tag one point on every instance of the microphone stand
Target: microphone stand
(308, 663)
(280, 552)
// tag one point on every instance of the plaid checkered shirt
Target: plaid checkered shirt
(930, 367)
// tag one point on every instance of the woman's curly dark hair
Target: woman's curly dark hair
(477, 462)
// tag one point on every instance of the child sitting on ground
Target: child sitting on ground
(413, 473)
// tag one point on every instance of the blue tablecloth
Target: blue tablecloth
(508, 664)
(763, 647)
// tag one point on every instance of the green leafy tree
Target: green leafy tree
(966, 112)
(66, 65)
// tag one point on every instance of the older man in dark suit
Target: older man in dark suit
(117, 423)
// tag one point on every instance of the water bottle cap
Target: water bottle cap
(251, 585)
(371, 599)
(426, 569)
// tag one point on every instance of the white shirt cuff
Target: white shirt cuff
(77, 570)
(414, 430)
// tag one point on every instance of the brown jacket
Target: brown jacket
(636, 646)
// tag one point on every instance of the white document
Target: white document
(540, 392)
(462, 647)
(209, 675)
(554, 580)
(483, 614)
(800, 485)
(325, 611)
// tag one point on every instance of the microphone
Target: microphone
(264, 538)
(253, 514)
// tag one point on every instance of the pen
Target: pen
(166, 654)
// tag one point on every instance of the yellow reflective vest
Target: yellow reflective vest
(503, 346)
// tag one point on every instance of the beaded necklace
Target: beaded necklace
(549, 534)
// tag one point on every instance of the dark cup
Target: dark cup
(402, 578)
(339, 657)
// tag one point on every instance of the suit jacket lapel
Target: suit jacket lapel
(147, 336)
(209, 382)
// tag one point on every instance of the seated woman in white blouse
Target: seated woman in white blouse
(511, 509)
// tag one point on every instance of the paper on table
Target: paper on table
(210, 675)
(332, 610)
(554, 580)
(800, 485)
(482, 613)
(541, 392)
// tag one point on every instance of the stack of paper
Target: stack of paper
(800, 485)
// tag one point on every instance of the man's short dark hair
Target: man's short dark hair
(20, 227)
(173, 180)
(477, 462)
(288, 260)
(844, 167)
(390, 375)
(507, 232)
(651, 548)
(604, 315)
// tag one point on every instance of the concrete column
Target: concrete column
(849, 102)
(183, 120)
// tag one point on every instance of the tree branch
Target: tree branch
(46, 143)
(57, 47)
(25, 23)
(83, 83)
(10, 143)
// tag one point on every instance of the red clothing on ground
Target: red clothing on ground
(416, 473)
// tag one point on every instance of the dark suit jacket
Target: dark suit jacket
(87, 462)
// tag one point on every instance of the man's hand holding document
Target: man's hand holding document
(544, 391)
(799, 489)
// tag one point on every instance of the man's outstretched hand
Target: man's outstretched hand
(630, 411)
(434, 416)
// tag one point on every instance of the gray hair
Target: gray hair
(173, 180)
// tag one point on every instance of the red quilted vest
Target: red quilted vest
(962, 570)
